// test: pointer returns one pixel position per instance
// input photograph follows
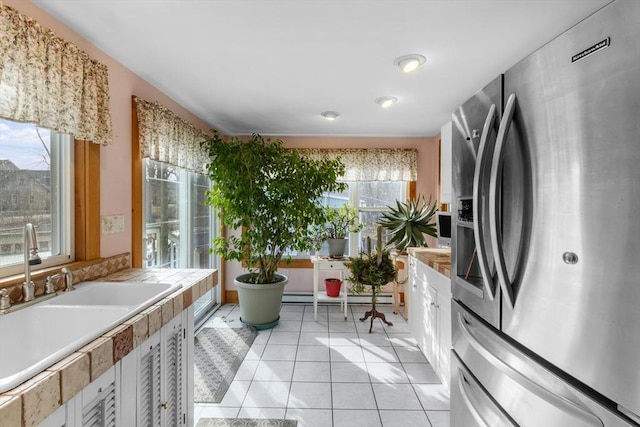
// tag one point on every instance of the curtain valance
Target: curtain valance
(50, 82)
(165, 137)
(372, 164)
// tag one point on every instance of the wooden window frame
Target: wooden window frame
(86, 176)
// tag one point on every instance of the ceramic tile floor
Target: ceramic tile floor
(333, 373)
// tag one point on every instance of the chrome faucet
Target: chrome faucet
(5, 301)
(31, 257)
(49, 286)
(68, 279)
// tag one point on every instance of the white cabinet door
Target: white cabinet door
(173, 384)
(148, 375)
(97, 405)
(432, 326)
(162, 377)
(442, 307)
(416, 303)
(100, 403)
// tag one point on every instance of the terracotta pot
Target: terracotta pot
(332, 287)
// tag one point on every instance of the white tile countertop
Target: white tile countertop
(32, 401)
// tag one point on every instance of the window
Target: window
(371, 198)
(36, 186)
(178, 226)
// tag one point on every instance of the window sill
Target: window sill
(18, 279)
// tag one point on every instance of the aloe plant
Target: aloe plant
(409, 221)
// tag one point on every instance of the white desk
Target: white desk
(327, 264)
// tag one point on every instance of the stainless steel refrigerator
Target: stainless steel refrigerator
(546, 236)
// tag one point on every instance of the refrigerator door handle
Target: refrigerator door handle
(525, 379)
(481, 410)
(479, 177)
(494, 202)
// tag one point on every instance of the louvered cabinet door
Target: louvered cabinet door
(174, 387)
(149, 383)
(100, 405)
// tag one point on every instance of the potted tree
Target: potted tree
(271, 197)
(408, 222)
(340, 222)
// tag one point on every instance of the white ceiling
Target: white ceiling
(272, 66)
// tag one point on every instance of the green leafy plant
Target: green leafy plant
(270, 193)
(340, 222)
(408, 222)
(372, 269)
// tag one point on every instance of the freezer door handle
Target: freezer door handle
(484, 410)
(494, 202)
(480, 177)
(525, 375)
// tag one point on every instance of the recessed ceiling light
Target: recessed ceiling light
(409, 63)
(386, 101)
(330, 115)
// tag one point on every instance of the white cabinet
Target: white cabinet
(430, 315)
(151, 386)
(445, 163)
(97, 405)
(99, 401)
(156, 375)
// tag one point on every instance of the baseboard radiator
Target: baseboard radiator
(307, 298)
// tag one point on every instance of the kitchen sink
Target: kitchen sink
(38, 336)
(125, 294)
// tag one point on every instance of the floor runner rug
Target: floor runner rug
(244, 422)
(218, 354)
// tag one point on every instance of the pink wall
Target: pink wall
(115, 163)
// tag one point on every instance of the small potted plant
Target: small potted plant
(340, 222)
(408, 222)
(271, 196)
(372, 270)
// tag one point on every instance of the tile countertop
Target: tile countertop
(31, 402)
(436, 258)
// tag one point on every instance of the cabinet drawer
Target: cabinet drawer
(332, 266)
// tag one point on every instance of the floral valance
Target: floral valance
(372, 164)
(167, 138)
(50, 82)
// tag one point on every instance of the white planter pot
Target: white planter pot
(260, 303)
